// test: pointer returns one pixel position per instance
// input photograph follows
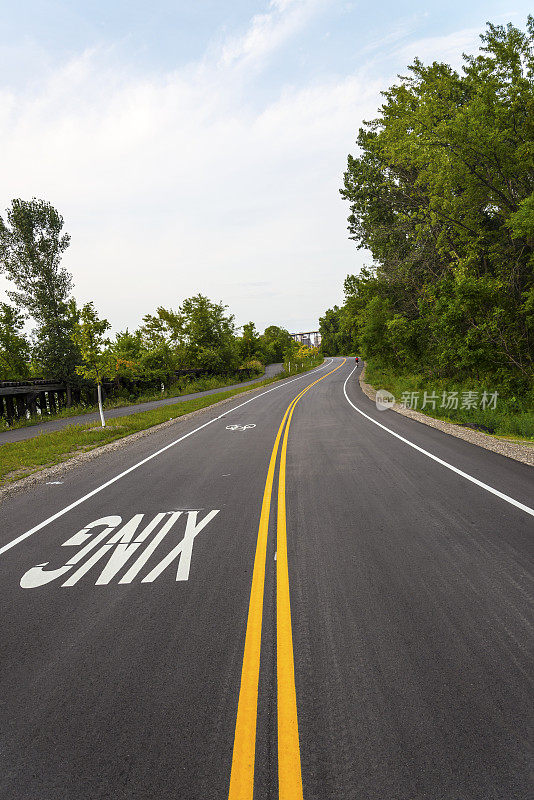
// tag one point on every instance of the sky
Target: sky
(200, 146)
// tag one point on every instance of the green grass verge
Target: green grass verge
(19, 459)
(513, 417)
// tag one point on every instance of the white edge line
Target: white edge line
(78, 502)
(465, 475)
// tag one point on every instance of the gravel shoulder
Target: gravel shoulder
(519, 451)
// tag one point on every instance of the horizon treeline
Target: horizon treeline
(441, 193)
(198, 334)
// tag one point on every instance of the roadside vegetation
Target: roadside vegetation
(441, 193)
(512, 416)
(22, 458)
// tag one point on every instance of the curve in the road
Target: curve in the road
(243, 760)
(496, 492)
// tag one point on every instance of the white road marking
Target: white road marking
(184, 549)
(37, 576)
(124, 546)
(120, 543)
(147, 552)
(465, 475)
(240, 427)
(54, 483)
(118, 477)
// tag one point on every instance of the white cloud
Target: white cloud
(447, 48)
(268, 31)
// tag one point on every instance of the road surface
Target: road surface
(20, 434)
(230, 608)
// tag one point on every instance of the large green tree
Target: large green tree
(275, 343)
(441, 193)
(209, 335)
(32, 243)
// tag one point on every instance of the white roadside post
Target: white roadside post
(100, 406)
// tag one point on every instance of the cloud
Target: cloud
(447, 48)
(267, 32)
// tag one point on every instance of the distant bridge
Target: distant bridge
(308, 338)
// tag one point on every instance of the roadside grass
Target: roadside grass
(180, 387)
(18, 459)
(513, 417)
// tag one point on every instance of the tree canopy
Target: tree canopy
(441, 193)
(31, 246)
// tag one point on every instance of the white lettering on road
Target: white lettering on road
(120, 544)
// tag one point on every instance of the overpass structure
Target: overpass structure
(308, 338)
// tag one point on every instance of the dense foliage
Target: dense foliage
(442, 195)
(31, 246)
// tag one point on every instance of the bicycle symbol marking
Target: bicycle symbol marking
(240, 427)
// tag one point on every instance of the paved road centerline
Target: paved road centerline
(121, 475)
(243, 758)
(289, 768)
(443, 463)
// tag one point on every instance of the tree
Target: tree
(249, 343)
(89, 337)
(209, 335)
(275, 342)
(31, 246)
(14, 347)
(335, 328)
(163, 347)
(441, 194)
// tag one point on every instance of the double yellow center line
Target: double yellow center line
(289, 771)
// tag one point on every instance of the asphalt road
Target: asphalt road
(28, 432)
(322, 611)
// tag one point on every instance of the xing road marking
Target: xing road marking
(118, 477)
(120, 547)
(446, 464)
(244, 752)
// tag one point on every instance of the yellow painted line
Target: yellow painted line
(242, 774)
(243, 758)
(289, 769)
